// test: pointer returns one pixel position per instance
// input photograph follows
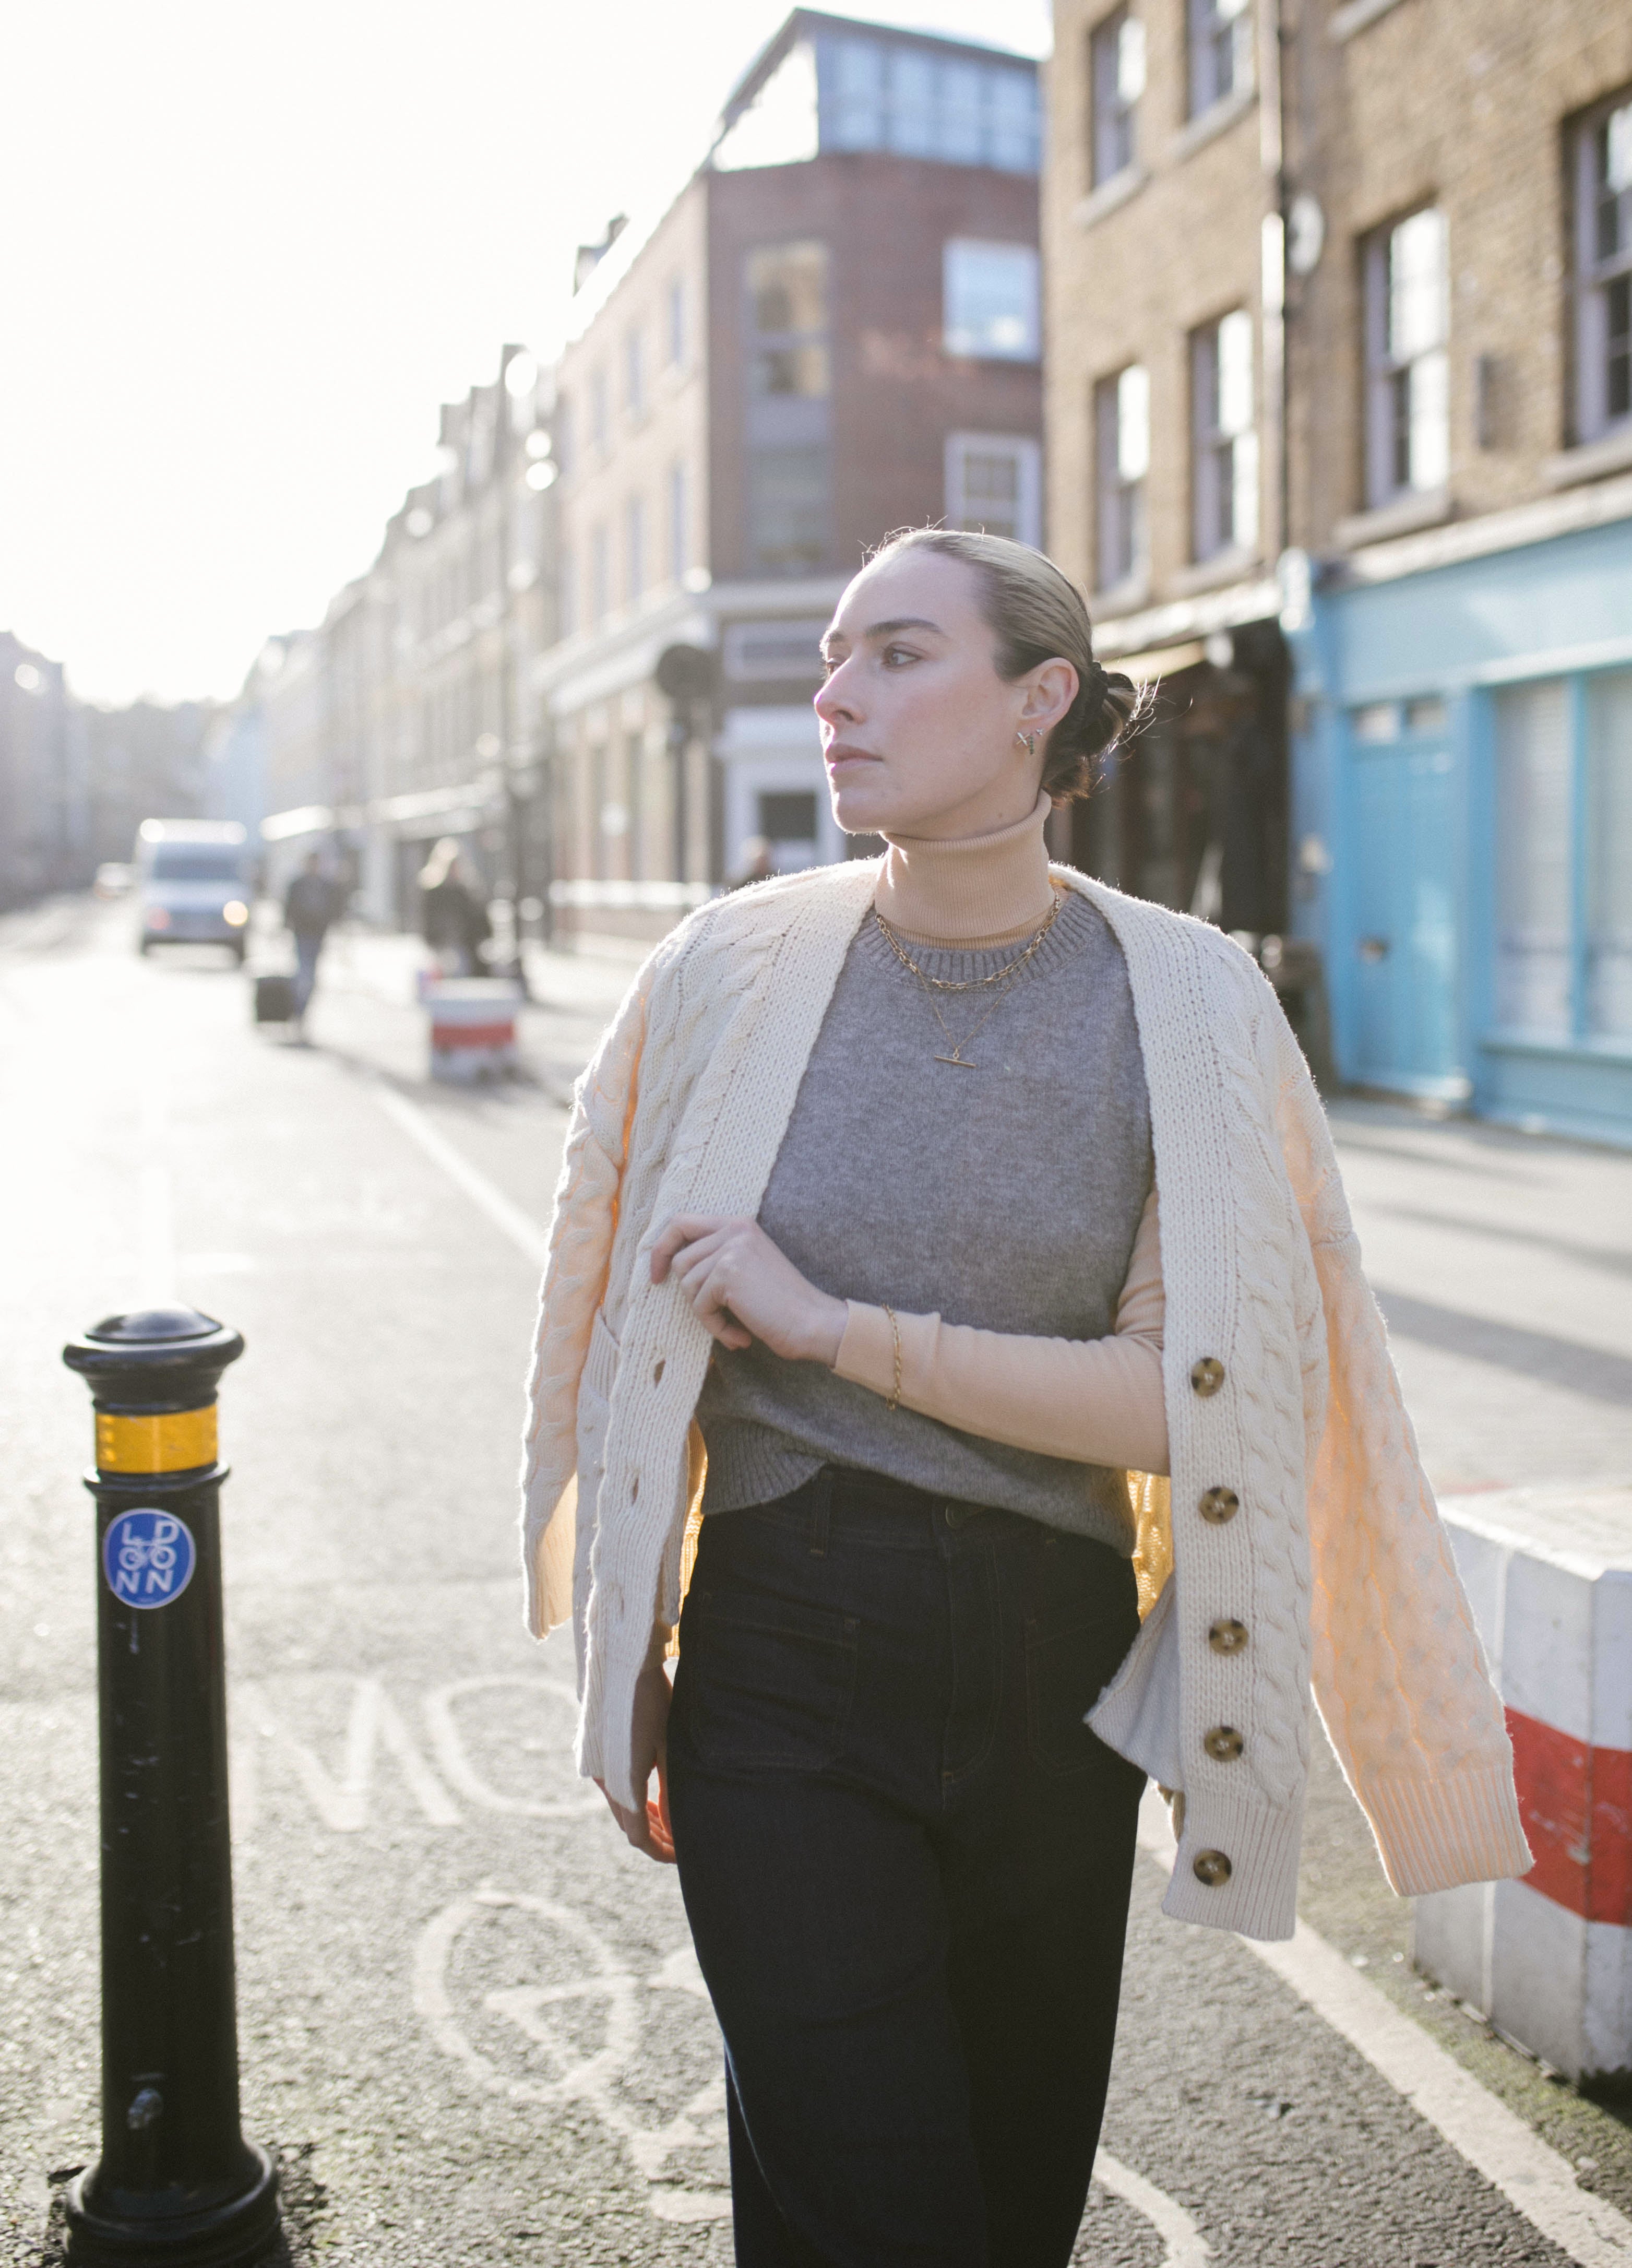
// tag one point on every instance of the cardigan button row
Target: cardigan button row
(1212, 1868)
(1219, 1505)
(1223, 1744)
(1207, 1376)
(1227, 1637)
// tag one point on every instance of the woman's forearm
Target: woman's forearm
(1097, 1401)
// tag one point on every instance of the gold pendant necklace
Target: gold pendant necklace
(1004, 977)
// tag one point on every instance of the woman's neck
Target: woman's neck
(983, 890)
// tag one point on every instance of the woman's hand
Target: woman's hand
(648, 1829)
(742, 1289)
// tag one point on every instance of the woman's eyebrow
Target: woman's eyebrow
(902, 622)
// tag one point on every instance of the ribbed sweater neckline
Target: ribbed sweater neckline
(979, 891)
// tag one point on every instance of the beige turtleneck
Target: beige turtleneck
(1098, 1401)
(980, 891)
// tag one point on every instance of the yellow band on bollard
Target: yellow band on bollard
(173, 1441)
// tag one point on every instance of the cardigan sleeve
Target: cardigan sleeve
(583, 1222)
(1398, 1672)
(1097, 1401)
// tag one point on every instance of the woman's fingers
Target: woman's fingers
(684, 1229)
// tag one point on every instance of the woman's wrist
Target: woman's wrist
(829, 1320)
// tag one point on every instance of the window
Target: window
(635, 547)
(789, 651)
(989, 304)
(600, 573)
(1220, 50)
(1116, 74)
(600, 424)
(886, 94)
(789, 381)
(1604, 271)
(1608, 912)
(992, 482)
(1408, 384)
(788, 319)
(678, 541)
(634, 373)
(1224, 444)
(788, 508)
(677, 320)
(1564, 877)
(1122, 459)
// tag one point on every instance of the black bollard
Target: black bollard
(176, 2181)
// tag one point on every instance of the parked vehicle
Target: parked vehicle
(193, 884)
(113, 878)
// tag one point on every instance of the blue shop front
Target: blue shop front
(1462, 814)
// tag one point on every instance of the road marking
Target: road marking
(524, 1232)
(342, 1804)
(699, 2124)
(448, 1746)
(1533, 2178)
(1186, 2248)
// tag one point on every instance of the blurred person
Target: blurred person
(859, 1292)
(309, 906)
(452, 916)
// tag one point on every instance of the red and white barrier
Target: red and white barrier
(1548, 1572)
(473, 1025)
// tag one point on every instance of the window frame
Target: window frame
(1224, 458)
(1027, 454)
(1209, 30)
(1390, 411)
(1120, 496)
(1594, 280)
(953, 336)
(1113, 111)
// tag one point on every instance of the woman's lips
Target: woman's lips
(842, 754)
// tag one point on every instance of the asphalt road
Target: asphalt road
(470, 2020)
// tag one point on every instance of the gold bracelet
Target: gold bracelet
(895, 1402)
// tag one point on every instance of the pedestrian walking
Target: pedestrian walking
(454, 918)
(950, 1252)
(309, 907)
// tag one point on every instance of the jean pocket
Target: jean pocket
(1067, 1668)
(765, 1679)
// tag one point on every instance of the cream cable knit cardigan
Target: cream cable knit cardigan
(1282, 1407)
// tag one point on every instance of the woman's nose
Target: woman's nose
(834, 704)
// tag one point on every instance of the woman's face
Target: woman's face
(920, 734)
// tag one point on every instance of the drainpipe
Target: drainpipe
(1272, 249)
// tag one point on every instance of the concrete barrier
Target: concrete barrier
(1550, 1959)
(473, 1026)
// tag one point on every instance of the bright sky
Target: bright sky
(247, 250)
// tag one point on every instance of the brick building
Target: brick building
(1340, 435)
(831, 332)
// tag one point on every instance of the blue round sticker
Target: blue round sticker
(147, 1557)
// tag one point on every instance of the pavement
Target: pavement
(471, 2024)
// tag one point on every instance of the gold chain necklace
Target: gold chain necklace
(929, 985)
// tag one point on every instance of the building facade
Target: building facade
(1341, 437)
(410, 712)
(832, 333)
(46, 826)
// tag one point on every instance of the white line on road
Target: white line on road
(1533, 2178)
(522, 1230)
(1171, 2223)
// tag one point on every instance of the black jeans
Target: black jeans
(905, 1861)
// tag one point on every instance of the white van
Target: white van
(193, 884)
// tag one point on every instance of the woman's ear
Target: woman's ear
(1051, 688)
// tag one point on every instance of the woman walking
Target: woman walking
(918, 1217)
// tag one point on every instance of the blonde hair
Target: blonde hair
(440, 863)
(1037, 614)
